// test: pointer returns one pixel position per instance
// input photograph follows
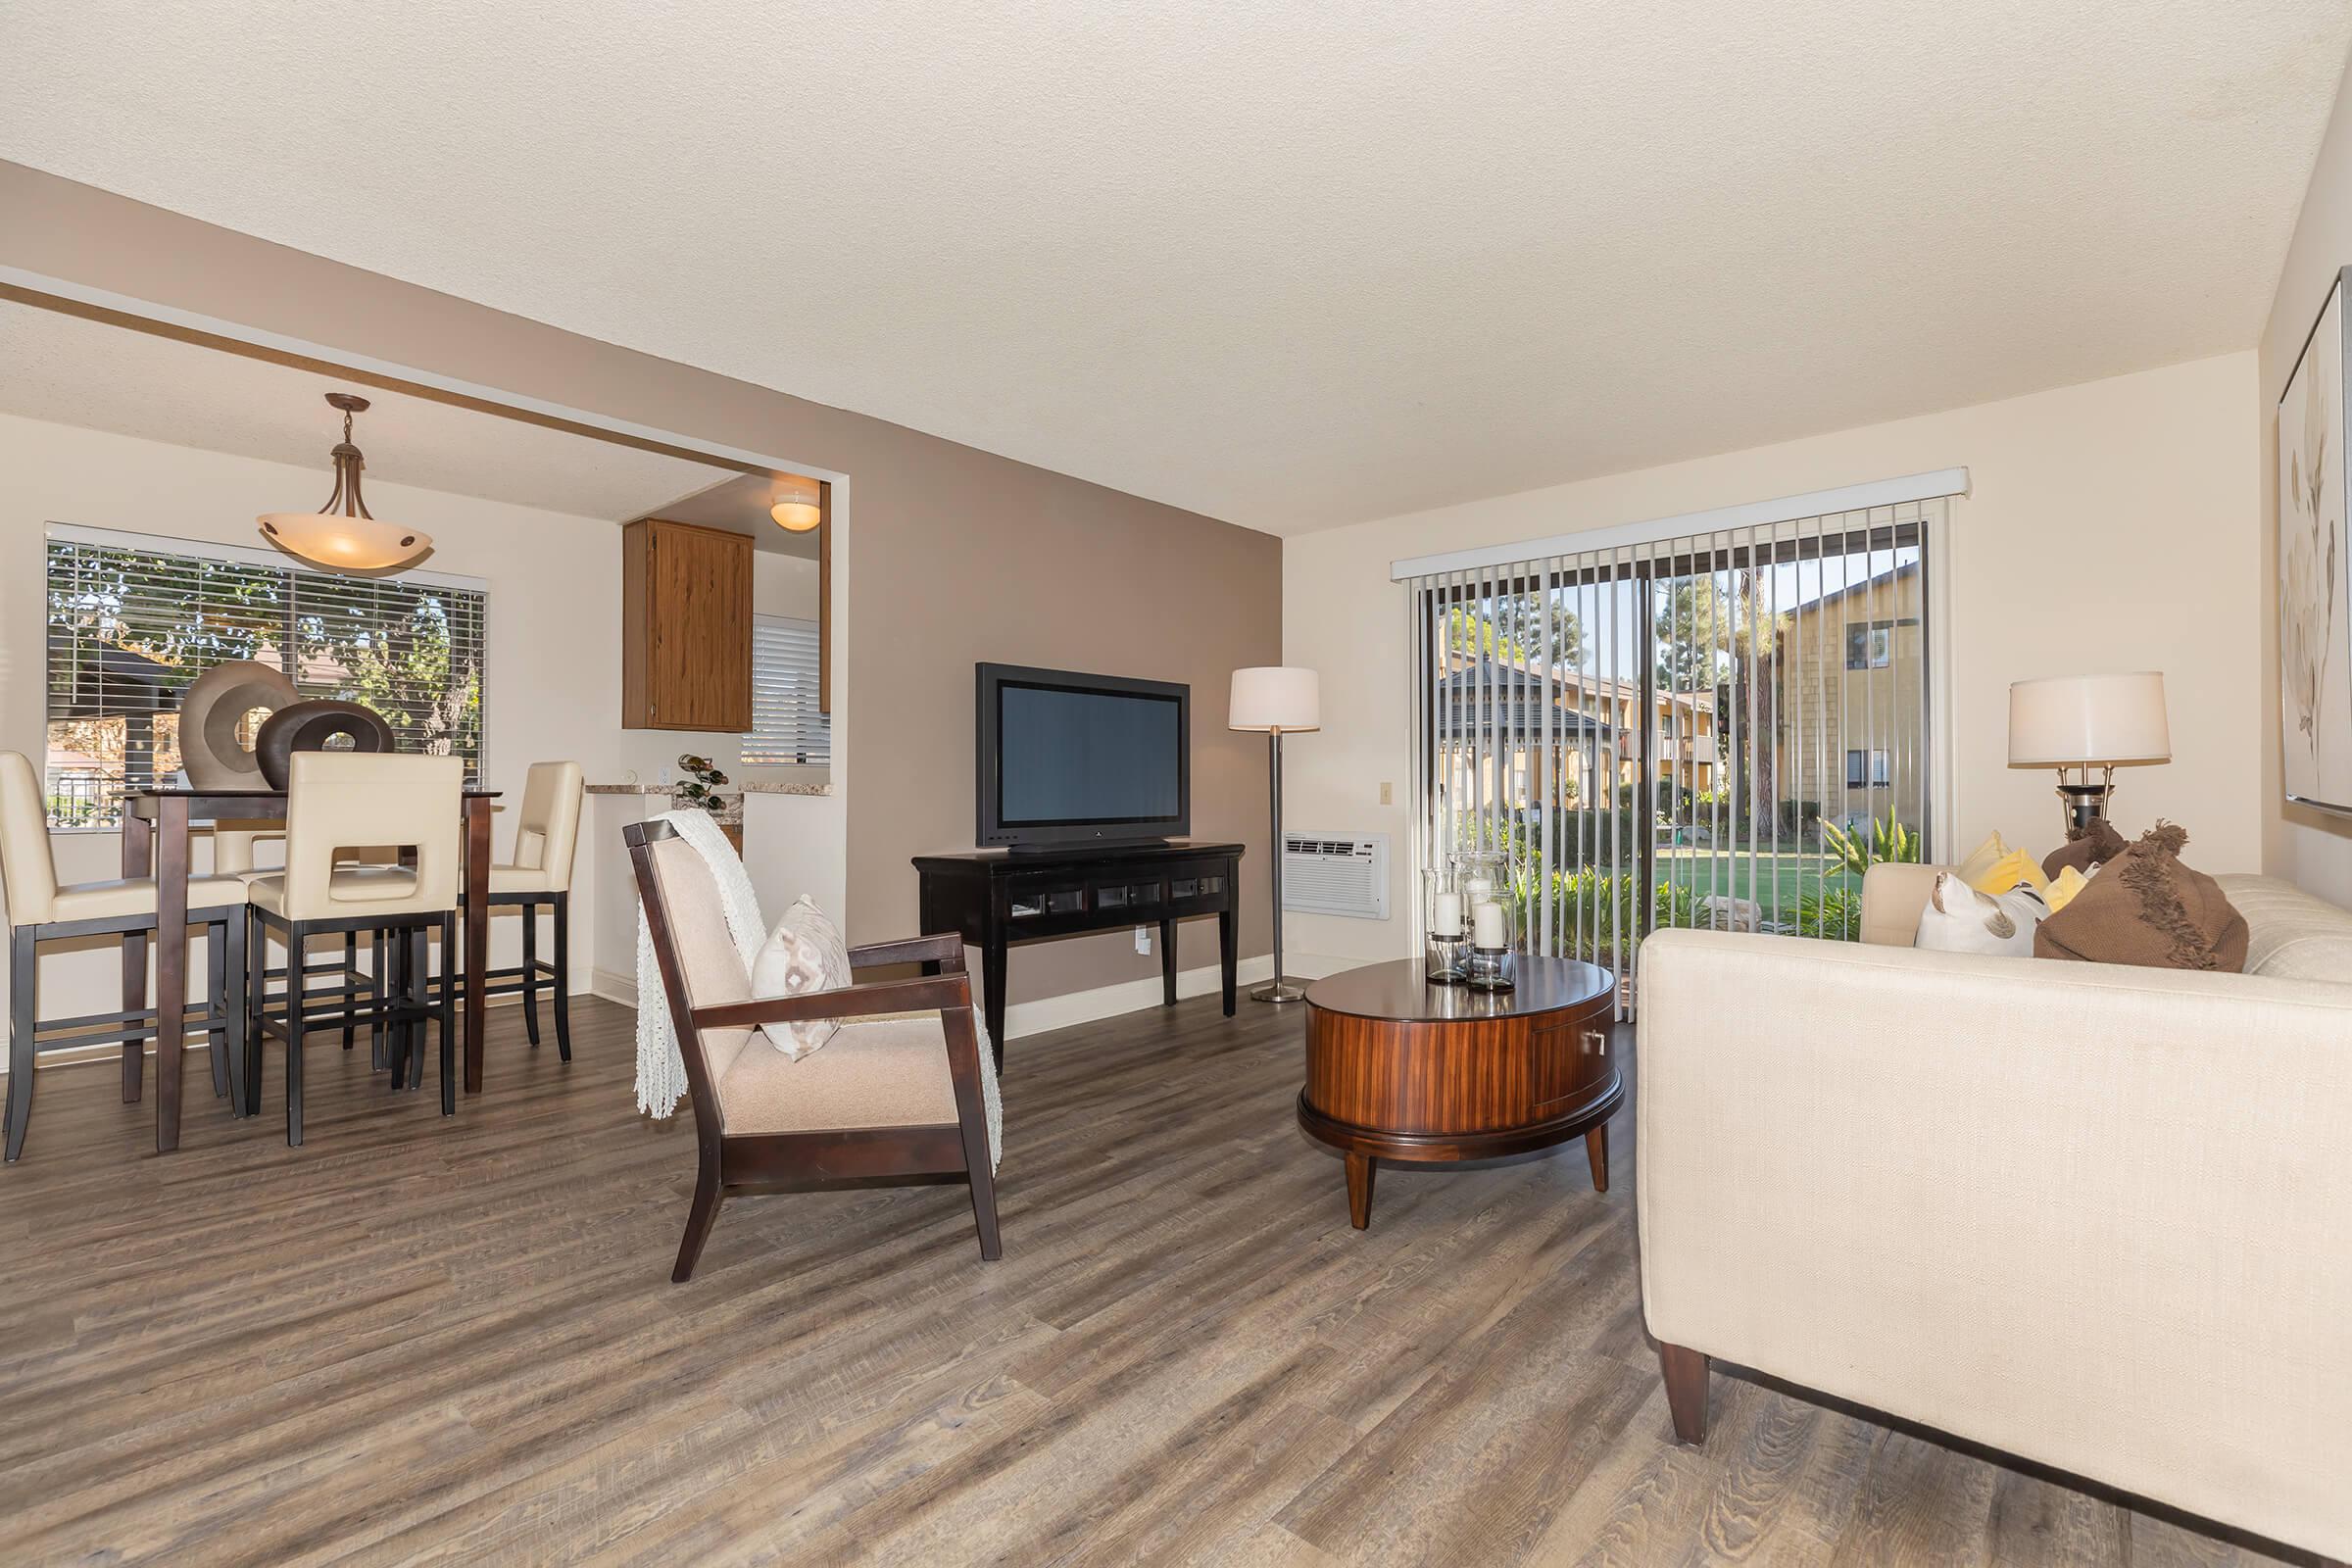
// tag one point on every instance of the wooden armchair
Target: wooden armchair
(895, 1092)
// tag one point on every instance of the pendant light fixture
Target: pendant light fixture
(342, 535)
(796, 509)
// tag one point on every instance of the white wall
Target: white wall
(552, 685)
(2313, 847)
(2113, 526)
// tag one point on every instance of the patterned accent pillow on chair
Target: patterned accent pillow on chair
(803, 953)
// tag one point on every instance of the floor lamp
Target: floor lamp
(1275, 699)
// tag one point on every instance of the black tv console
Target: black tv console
(996, 898)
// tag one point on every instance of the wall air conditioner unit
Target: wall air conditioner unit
(1336, 873)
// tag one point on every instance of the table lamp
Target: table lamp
(1275, 699)
(2075, 723)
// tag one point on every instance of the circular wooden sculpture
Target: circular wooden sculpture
(216, 704)
(1399, 1069)
(309, 726)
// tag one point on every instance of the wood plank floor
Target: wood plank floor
(418, 1340)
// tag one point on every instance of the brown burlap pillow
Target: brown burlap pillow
(2148, 909)
(2094, 848)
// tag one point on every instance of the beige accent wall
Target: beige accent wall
(954, 554)
(2113, 527)
(2313, 847)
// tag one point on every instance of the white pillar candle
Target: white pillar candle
(1479, 888)
(1447, 920)
(1489, 929)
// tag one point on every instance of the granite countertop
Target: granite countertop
(757, 788)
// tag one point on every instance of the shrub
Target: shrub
(1888, 840)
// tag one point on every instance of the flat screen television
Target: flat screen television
(1069, 758)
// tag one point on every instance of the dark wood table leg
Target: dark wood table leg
(171, 963)
(1228, 955)
(138, 860)
(1167, 963)
(1361, 1168)
(992, 980)
(1597, 1154)
(478, 937)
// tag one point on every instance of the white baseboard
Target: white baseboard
(620, 988)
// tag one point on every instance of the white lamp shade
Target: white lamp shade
(2107, 719)
(344, 544)
(1275, 696)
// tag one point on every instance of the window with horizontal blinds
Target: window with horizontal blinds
(132, 625)
(787, 730)
(1718, 728)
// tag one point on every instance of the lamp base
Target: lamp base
(1279, 991)
(2085, 805)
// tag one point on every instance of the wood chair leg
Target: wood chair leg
(448, 1015)
(376, 1057)
(1686, 1374)
(257, 1000)
(216, 1001)
(1597, 1155)
(419, 975)
(562, 988)
(530, 973)
(351, 987)
(699, 1220)
(295, 998)
(233, 933)
(1362, 1169)
(23, 1015)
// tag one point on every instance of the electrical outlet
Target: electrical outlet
(1143, 940)
(1388, 793)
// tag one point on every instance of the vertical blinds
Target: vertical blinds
(786, 727)
(1657, 732)
(130, 626)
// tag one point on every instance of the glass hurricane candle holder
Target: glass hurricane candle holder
(1448, 926)
(1494, 935)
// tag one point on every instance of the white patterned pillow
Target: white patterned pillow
(1960, 920)
(803, 953)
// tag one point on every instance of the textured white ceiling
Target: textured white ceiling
(1287, 263)
(76, 371)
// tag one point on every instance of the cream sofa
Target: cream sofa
(2097, 1217)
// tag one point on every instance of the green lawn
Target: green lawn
(1732, 873)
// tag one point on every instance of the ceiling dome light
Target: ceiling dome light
(797, 510)
(342, 535)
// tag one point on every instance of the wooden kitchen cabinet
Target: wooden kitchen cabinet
(686, 627)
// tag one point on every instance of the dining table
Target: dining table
(155, 842)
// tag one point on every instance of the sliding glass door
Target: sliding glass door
(1721, 729)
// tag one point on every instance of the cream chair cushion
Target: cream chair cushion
(108, 901)
(338, 801)
(233, 840)
(715, 972)
(524, 879)
(889, 1071)
(27, 868)
(367, 889)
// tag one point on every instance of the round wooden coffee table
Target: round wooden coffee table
(1397, 1069)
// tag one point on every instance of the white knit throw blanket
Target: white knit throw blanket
(661, 1069)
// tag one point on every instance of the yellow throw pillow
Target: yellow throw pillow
(1980, 859)
(1994, 868)
(2061, 892)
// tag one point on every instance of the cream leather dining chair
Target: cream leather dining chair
(42, 909)
(336, 801)
(537, 876)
